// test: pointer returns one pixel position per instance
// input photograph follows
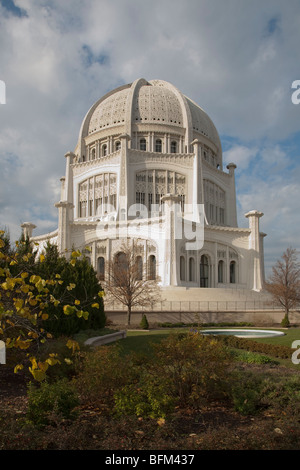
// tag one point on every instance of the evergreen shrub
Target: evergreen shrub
(51, 401)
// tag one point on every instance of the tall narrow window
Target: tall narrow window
(152, 268)
(101, 268)
(232, 272)
(93, 154)
(82, 208)
(143, 144)
(173, 147)
(139, 268)
(204, 271)
(158, 145)
(118, 145)
(221, 271)
(120, 268)
(104, 150)
(182, 268)
(191, 269)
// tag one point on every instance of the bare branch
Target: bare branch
(127, 280)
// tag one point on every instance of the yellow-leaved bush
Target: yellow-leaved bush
(27, 303)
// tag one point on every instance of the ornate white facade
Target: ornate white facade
(148, 166)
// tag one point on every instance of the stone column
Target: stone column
(230, 216)
(170, 262)
(27, 229)
(123, 188)
(255, 247)
(198, 196)
(63, 238)
(69, 179)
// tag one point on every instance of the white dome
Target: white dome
(150, 103)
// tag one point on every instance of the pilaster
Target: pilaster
(255, 247)
(231, 200)
(198, 195)
(123, 187)
(65, 209)
(171, 209)
(27, 229)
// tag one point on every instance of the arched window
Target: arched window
(104, 150)
(232, 272)
(191, 269)
(143, 144)
(173, 147)
(152, 267)
(204, 271)
(182, 268)
(158, 145)
(101, 268)
(120, 269)
(118, 145)
(139, 268)
(221, 271)
(93, 154)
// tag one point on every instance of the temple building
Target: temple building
(148, 167)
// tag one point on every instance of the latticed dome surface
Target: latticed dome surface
(153, 102)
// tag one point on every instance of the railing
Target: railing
(200, 306)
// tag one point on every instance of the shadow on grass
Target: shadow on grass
(141, 341)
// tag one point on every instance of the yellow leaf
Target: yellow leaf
(71, 344)
(42, 258)
(52, 361)
(68, 361)
(71, 286)
(25, 289)
(38, 375)
(45, 316)
(18, 367)
(76, 254)
(161, 421)
(69, 310)
(85, 315)
(77, 302)
(95, 305)
(43, 366)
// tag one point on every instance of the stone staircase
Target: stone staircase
(184, 294)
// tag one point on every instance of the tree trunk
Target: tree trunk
(128, 315)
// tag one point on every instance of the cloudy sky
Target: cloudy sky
(237, 59)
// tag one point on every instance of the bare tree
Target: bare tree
(129, 281)
(284, 283)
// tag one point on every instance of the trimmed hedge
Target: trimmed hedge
(275, 350)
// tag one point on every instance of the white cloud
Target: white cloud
(236, 59)
(240, 155)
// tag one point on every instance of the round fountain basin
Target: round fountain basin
(243, 333)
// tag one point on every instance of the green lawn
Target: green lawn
(140, 341)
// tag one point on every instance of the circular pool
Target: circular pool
(244, 333)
